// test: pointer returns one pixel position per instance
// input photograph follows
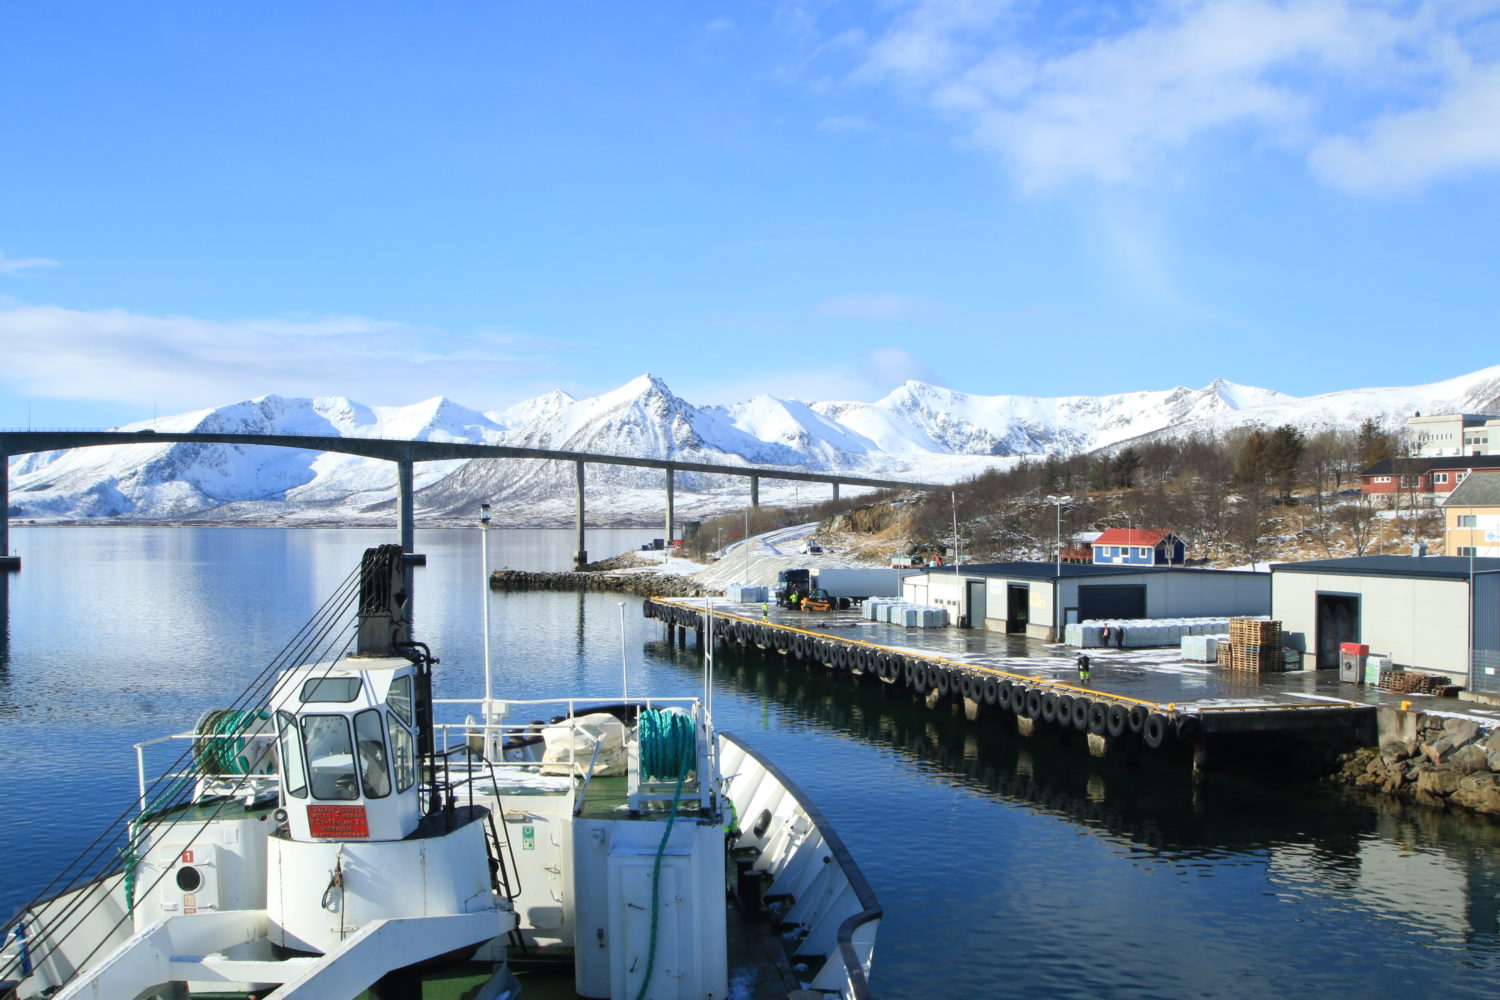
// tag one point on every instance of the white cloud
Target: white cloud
(184, 362)
(874, 307)
(1381, 93)
(9, 266)
(1409, 149)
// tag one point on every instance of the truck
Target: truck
(843, 586)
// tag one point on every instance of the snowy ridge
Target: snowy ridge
(917, 431)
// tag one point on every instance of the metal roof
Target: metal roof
(1131, 536)
(1417, 465)
(1480, 489)
(1048, 571)
(1413, 567)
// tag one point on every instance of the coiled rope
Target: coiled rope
(668, 752)
(221, 742)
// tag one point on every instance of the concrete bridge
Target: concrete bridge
(405, 455)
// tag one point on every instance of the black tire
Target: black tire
(1002, 694)
(1065, 711)
(990, 691)
(1018, 694)
(1081, 713)
(882, 663)
(1098, 718)
(966, 686)
(1033, 703)
(1049, 707)
(1189, 727)
(942, 680)
(1137, 720)
(909, 672)
(799, 646)
(1154, 732)
(1115, 723)
(919, 679)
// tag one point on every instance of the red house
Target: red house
(1423, 475)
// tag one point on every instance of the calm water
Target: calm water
(1006, 866)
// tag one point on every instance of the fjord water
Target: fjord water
(1006, 866)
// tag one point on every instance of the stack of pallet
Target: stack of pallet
(1254, 646)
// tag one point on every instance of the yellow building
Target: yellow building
(1471, 516)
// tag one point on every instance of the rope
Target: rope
(220, 747)
(668, 751)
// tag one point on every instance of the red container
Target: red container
(1357, 648)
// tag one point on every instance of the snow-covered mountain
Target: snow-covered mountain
(918, 431)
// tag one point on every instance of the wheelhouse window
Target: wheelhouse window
(374, 769)
(333, 690)
(403, 754)
(293, 774)
(330, 757)
(400, 699)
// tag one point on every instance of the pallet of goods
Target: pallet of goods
(1254, 646)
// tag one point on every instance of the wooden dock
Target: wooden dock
(1127, 701)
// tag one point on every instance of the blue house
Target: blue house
(1138, 547)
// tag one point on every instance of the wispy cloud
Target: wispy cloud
(1377, 94)
(15, 266)
(185, 362)
(884, 307)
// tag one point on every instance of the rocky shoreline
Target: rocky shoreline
(597, 576)
(1451, 764)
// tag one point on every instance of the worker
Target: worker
(1083, 668)
(765, 611)
(794, 600)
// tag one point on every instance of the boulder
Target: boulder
(1439, 781)
(1439, 751)
(1394, 752)
(1491, 741)
(1461, 731)
(1470, 759)
(1479, 792)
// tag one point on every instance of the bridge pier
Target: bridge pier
(7, 561)
(580, 553)
(755, 491)
(835, 491)
(671, 475)
(406, 519)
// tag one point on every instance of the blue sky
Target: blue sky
(817, 200)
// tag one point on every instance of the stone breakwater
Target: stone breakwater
(1452, 764)
(644, 584)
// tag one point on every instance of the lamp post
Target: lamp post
(484, 558)
(1057, 622)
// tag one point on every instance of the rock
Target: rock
(1430, 800)
(1493, 756)
(1394, 752)
(1470, 759)
(1438, 781)
(1439, 751)
(1461, 731)
(1479, 792)
(1492, 741)
(1418, 769)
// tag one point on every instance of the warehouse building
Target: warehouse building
(1425, 612)
(1039, 599)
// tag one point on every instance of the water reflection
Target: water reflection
(1386, 862)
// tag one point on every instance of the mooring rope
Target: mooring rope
(668, 751)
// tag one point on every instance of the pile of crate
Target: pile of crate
(1408, 682)
(1254, 646)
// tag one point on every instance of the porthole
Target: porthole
(189, 879)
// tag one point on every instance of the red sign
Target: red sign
(187, 857)
(338, 822)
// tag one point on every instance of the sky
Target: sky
(204, 203)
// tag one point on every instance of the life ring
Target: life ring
(1115, 724)
(1049, 707)
(1137, 719)
(1081, 713)
(1018, 698)
(1098, 718)
(990, 691)
(1154, 732)
(1033, 703)
(1189, 727)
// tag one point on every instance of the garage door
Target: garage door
(1116, 601)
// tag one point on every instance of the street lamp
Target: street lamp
(1058, 502)
(484, 558)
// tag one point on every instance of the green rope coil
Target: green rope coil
(668, 752)
(220, 747)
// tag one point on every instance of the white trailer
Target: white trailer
(859, 584)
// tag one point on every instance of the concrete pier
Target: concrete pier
(671, 482)
(580, 550)
(8, 561)
(406, 522)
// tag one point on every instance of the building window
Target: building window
(1468, 520)
(1465, 550)
(1382, 479)
(1440, 477)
